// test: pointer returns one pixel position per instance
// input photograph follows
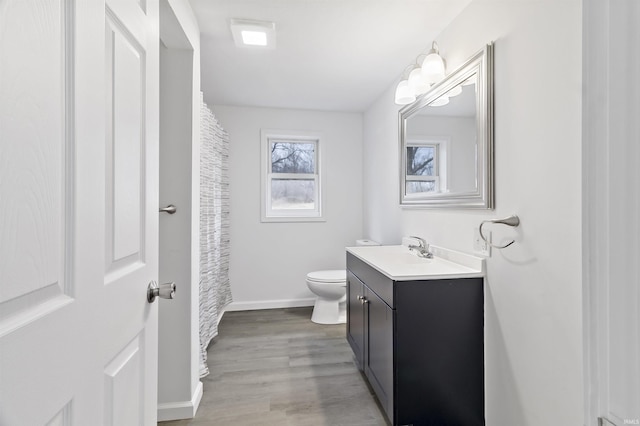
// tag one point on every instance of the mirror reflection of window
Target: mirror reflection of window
(420, 187)
(421, 160)
(453, 120)
(422, 169)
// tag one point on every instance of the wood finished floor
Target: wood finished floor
(276, 367)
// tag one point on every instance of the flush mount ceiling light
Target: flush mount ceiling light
(254, 38)
(252, 33)
(421, 77)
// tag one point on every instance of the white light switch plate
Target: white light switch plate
(479, 246)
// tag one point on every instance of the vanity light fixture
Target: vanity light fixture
(417, 83)
(252, 33)
(404, 94)
(433, 65)
(421, 77)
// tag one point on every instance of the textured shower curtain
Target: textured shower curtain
(215, 290)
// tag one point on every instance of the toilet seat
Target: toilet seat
(330, 276)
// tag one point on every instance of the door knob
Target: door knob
(171, 209)
(164, 291)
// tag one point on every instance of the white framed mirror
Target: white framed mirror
(446, 140)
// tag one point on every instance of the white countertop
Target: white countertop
(401, 264)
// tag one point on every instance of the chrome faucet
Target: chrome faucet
(422, 248)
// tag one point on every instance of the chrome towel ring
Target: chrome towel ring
(512, 220)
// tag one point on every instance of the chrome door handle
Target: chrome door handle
(171, 209)
(164, 291)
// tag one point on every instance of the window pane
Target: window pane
(416, 187)
(293, 157)
(421, 161)
(293, 194)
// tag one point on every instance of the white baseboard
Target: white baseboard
(180, 410)
(269, 304)
(225, 309)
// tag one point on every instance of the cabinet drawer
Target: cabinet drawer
(375, 280)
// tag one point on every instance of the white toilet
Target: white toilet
(330, 287)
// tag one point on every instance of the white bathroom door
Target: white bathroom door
(78, 212)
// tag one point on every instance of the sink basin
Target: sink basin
(401, 264)
(408, 258)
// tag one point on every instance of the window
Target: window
(291, 185)
(426, 165)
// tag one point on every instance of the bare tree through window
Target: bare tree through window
(422, 170)
(420, 160)
(293, 157)
(294, 162)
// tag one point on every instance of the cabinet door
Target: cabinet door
(355, 317)
(439, 352)
(379, 349)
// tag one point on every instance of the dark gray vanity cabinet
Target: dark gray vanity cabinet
(369, 331)
(420, 345)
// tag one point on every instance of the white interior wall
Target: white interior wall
(269, 261)
(179, 387)
(533, 333)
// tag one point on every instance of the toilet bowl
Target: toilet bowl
(330, 288)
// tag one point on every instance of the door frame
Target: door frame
(179, 386)
(607, 42)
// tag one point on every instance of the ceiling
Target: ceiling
(335, 55)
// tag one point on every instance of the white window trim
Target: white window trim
(442, 166)
(289, 215)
